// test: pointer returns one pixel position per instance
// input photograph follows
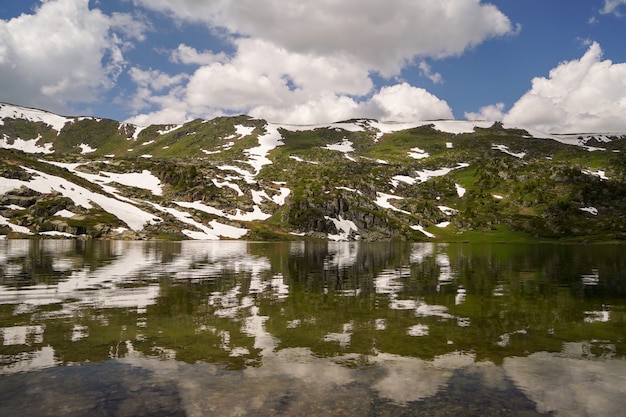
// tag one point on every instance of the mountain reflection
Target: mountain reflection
(325, 314)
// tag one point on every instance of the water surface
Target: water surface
(346, 329)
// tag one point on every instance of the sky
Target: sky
(558, 66)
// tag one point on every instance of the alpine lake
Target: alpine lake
(235, 328)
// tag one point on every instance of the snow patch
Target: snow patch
(448, 211)
(418, 330)
(16, 112)
(44, 183)
(460, 190)
(229, 185)
(144, 179)
(382, 200)
(282, 197)
(203, 233)
(417, 153)
(28, 146)
(505, 149)
(425, 175)
(358, 126)
(343, 226)
(138, 130)
(65, 213)
(255, 214)
(244, 131)
(14, 227)
(56, 234)
(599, 173)
(349, 189)
(420, 228)
(298, 159)
(448, 126)
(344, 146)
(267, 142)
(85, 149)
(590, 210)
(169, 129)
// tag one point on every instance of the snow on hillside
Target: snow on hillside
(448, 126)
(425, 175)
(44, 183)
(28, 146)
(16, 228)
(272, 138)
(8, 111)
(258, 156)
(214, 232)
(144, 179)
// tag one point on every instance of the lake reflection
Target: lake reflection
(236, 328)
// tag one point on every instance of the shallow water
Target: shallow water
(236, 328)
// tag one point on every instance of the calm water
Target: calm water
(294, 329)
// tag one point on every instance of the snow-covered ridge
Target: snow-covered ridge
(272, 137)
(9, 111)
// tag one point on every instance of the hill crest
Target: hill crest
(239, 177)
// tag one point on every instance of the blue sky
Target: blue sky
(552, 65)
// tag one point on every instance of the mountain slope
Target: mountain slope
(238, 177)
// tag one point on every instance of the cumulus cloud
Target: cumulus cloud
(491, 113)
(260, 79)
(583, 95)
(383, 36)
(63, 53)
(264, 75)
(403, 102)
(187, 55)
(266, 81)
(611, 6)
(324, 108)
(400, 102)
(425, 70)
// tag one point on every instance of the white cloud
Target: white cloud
(584, 95)
(166, 115)
(262, 80)
(312, 61)
(402, 102)
(267, 82)
(150, 82)
(63, 53)
(325, 108)
(383, 36)
(425, 70)
(154, 79)
(187, 55)
(611, 6)
(492, 113)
